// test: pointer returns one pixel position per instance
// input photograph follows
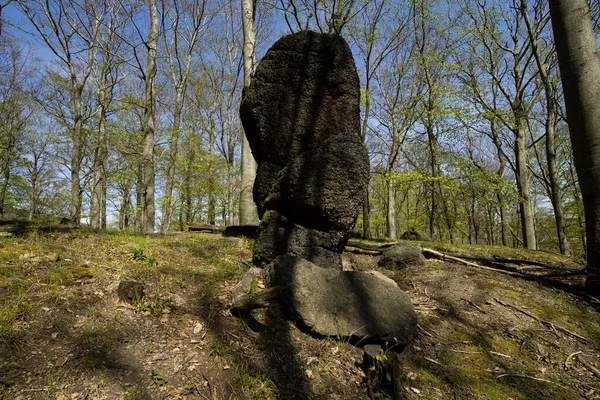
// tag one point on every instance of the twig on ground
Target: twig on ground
(500, 354)
(475, 306)
(431, 360)
(589, 366)
(550, 324)
(529, 377)
(213, 392)
(568, 358)
(419, 327)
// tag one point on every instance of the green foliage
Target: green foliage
(8, 373)
(257, 385)
(158, 379)
(12, 310)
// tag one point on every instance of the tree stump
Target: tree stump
(382, 370)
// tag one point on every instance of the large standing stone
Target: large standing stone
(351, 304)
(302, 118)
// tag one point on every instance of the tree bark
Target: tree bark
(172, 160)
(523, 184)
(553, 183)
(579, 64)
(391, 210)
(100, 153)
(147, 195)
(248, 213)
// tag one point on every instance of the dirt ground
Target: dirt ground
(64, 334)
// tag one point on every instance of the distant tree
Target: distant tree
(579, 64)
(544, 63)
(69, 29)
(14, 110)
(183, 22)
(248, 213)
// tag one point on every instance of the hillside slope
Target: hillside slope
(65, 335)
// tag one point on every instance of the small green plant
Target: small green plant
(221, 350)
(158, 379)
(256, 385)
(254, 285)
(11, 311)
(138, 254)
(150, 261)
(51, 386)
(134, 394)
(8, 373)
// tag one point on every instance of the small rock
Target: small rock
(178, 301)
(45, 309)
(159, 357)
(198, 328)
(401, 256)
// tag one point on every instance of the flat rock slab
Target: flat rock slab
(349, 304)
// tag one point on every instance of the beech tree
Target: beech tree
(248, 213)
(69, 29)
(579, 64)
(185, 20)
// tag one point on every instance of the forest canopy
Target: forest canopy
(124, 114)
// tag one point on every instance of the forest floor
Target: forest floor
(65, 335)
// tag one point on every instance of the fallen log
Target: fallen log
(369, 247)
(195, 227)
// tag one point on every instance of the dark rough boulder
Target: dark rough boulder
(349, 304)
(401, 256)
(301, 115)
(278, 235)
(305, 90)
(323, 187)
(415, 235)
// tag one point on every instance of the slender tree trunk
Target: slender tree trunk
(76, 154)
(579, 64)
(212, 203)
(523, 185)
(4, 189)
(550, 123)
(391, 210)
(100, 154)
(435, 174)
(172, 161)
(124, 210)
(148, 214)
(248, 213)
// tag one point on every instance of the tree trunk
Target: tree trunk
(4, 189)
(172, 161)
(523, 185)
(579, 64)
(76, 154)
(212, 183)
(147, 204)
(248, 213)
(100, 154)
(391, 210)
(550, 123)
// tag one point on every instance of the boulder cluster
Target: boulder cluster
(301, 115)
